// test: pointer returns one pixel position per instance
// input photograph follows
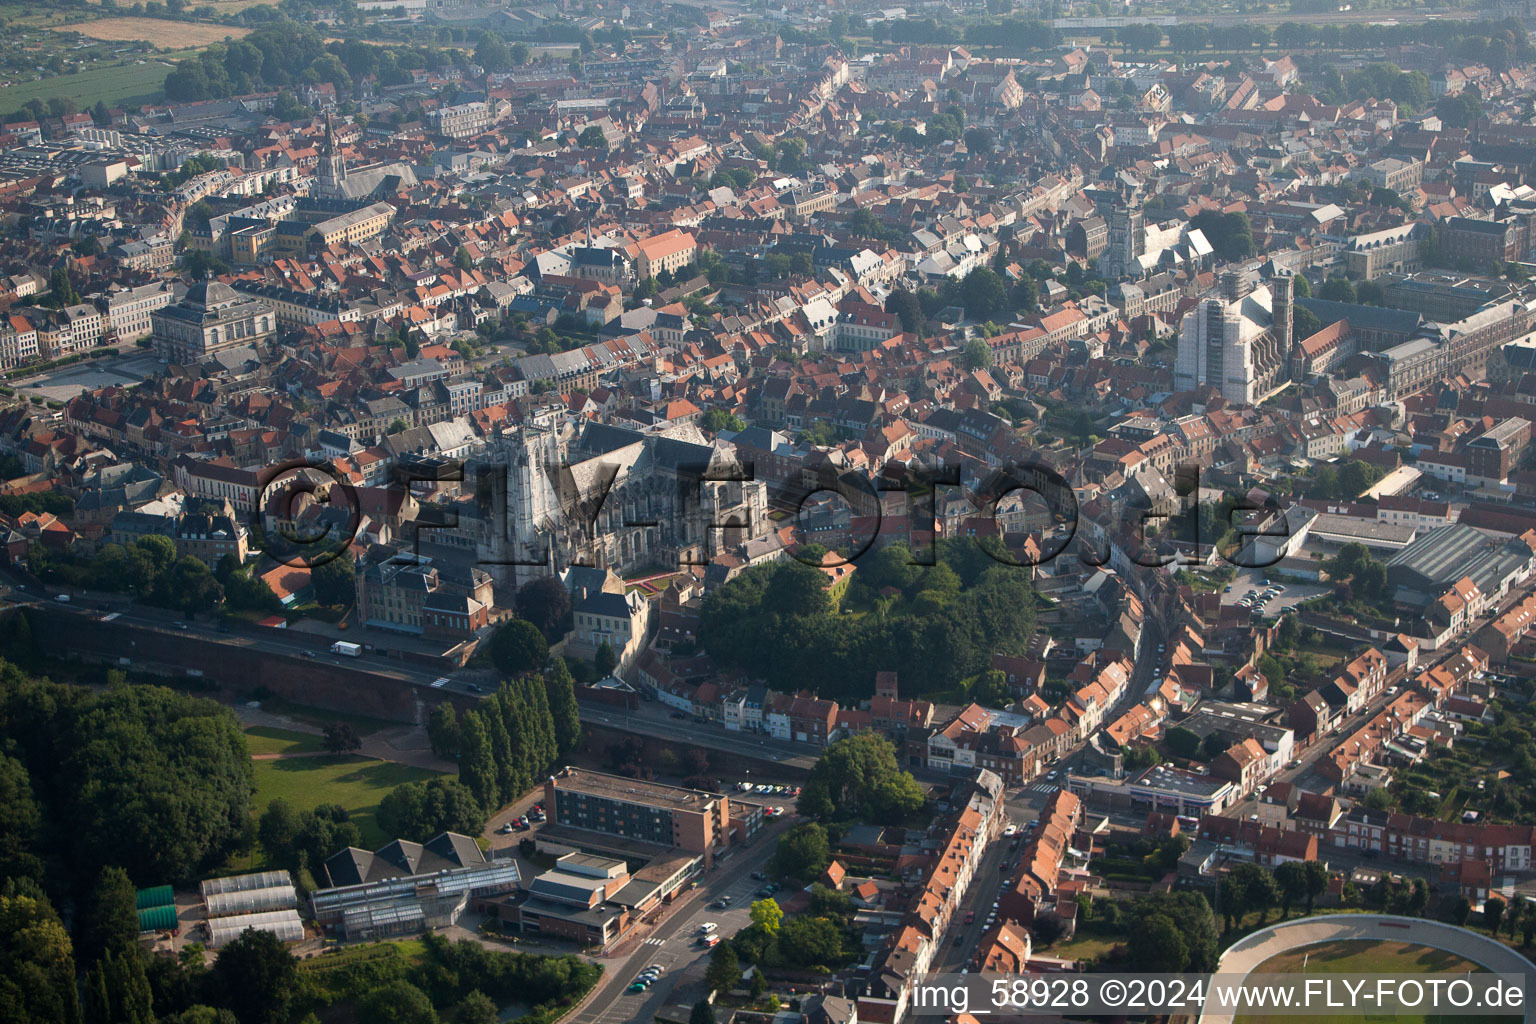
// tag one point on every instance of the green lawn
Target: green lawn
(356, 783)
(264, 740)
(1083, 947)
(1361, 957)
(127, 85)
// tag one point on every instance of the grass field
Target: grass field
(356, 783)
(131, 83)
(265, 740)
(1355, 957)
(154, 30)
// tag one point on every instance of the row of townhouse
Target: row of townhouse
(1382, 738)
(745, 707)
(1320, 711)
(905, 957)
(1018, 747)
(1429, 841)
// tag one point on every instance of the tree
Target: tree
(109, 918)
(605, 660)
(859, 776)
(1183, 742)
(1157, 945)
(592, 137)
(979, 139)
(158, 782)
(702, 1013)
(341, 737)
(61, 287)
(1024, 295)
(115, 990)
(716, 420)
(547, 604)
(443, 730)
(1302, 288)
(1457, 910)
(1190, 914)
(398, 1002)
(278, 828)
(1304, 322)
(463, 260)
(811, 942)
(1212, 746)
(765, 913)
(1493, 914)
(476, 1008)
(491, 52)
(1259, 889)
(1317, 883)
(803, 852)
(983, 294)
(38, 983)
(724, 970)
(1460, 109)
(1230, 234)
(255, 977)
(20, 816)
(1292, 879)
(904, 306)
(334, 581)
(560, 693)
(417, 811)
(1232, 898)
(977, 354)
(1512, 915)
(518, 647)
(477, 765)
(1337, 289)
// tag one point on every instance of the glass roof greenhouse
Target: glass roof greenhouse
(285, 924)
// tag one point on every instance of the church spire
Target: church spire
(333, 166)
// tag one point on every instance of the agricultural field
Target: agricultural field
(131, 84)
(154, 30)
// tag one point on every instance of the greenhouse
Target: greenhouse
(157, 919)
(285, 924)
(393, 906)
(159, 896)
(252, 901)
(241, 883)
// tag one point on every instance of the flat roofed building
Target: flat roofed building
(1180, 792)
(1437, 559)
(671, 816)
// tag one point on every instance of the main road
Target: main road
(673, 944)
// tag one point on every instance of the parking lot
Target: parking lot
(1254, 583)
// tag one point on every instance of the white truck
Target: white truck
(344, 648)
